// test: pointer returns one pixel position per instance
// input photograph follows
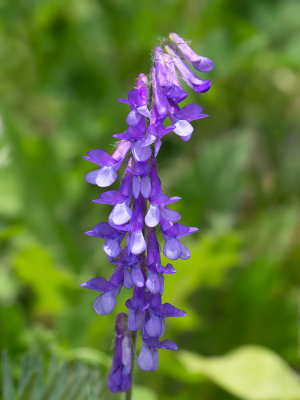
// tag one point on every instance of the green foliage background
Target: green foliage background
(62, 67)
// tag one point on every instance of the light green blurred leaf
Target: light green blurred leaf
(250, 372)
(87, 355)
(142, 393)
(34, 266)
(6, 378)
(211, 256)
(270, 234)
(8, 285)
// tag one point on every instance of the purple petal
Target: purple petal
(149, 140)
(183, 128)
(140, 168)
(174, 92)
(133, 98)
(117, 381)
(127, 279)
(104, 231)
(143, 110)
(153, 253)
(202, 64)
(139, 300)
(171, 85)
(137, 276)
(170, 215)
(132, 133)
(168, 310)
(121, 100)
(190, 112)
(158, 198)
(148, 358)
(137, 243)
(153, 282)
(133, 118)
(154, 326)
(165, 344)
(169, 269)
(185, 253)
(146, 186)
(167, 78)
(160, 99)
(106, 176)
(114, 380)
(140, 152)
(185, 138)
(152, 216)
(137, 219)
(100, 284)
(155, 300)
(173, 199)
(157, 145)
(112, 248)
(105, 303)
(91, 176)
(117, 277)
(142, 92)
(111, 197)
(126, 185)
(180, 230)
(100, 157)
(136, 319)
(136, 187)
(120, 214)
(164, 226)
(172, 249)
(122, 150)
(161, 68)
(168, 344)
(126, 352)
(187, 74)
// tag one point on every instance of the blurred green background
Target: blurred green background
(62, 67)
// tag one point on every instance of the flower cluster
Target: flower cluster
(140, 208)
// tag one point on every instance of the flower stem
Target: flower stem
(128, 394)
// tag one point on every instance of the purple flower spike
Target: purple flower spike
(139, 209)
(202, 64)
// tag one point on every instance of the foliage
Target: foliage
(59, 382)
(250, 372)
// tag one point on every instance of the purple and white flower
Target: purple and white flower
(140, 208)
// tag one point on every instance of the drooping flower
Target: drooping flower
(119, 378)
(140, 208)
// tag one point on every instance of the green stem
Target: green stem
(128, 394)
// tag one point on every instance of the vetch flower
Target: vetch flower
(140, 209)
(119, 378)
(202, 64)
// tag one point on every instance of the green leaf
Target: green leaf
(29, 387)
(35, 266)
(89, 356)
(143, 393)
(7, 381)
(250, 372)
